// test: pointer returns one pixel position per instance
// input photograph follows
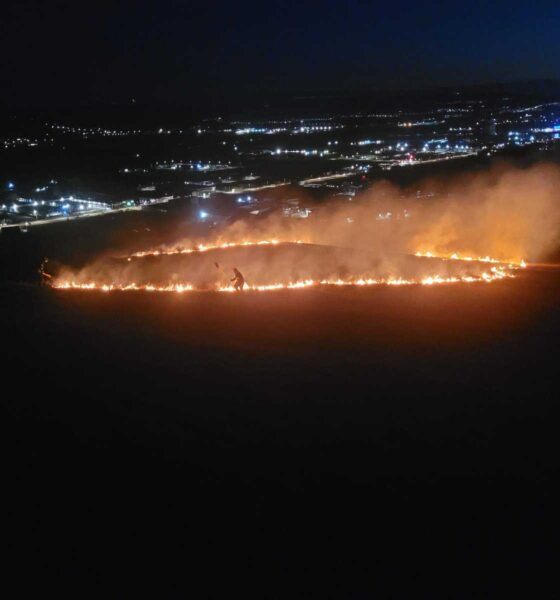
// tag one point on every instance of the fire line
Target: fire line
(497, 271)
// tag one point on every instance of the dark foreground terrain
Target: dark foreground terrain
(332, 441)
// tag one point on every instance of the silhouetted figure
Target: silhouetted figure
(239, 280)
(42, 270)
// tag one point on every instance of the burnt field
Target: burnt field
(359, 437)
(267, 264)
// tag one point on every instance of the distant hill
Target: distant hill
(184, 111)
(541, 90)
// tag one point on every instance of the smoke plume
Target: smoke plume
(506, 213)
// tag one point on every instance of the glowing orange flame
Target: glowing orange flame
(494, 274)
(484, 259)
(208, 247)
(72, 285)
(499, 270)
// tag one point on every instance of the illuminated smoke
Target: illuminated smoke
(483, 225)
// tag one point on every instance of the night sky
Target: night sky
(61, 53)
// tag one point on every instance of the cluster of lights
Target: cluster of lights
(10, 143)
(419, 123)
(366, 142)
(93, 131)
(260, 130)
(454, 110)
(313, 152)
(315, 128)
(192, 165)
(520, 139)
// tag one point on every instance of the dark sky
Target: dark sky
(63, 52)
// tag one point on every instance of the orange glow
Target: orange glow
(208, 247)
(494, 274)
(72, 285)
(484, 259)
(496, 270)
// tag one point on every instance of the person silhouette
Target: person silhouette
(238, 279)
(45, 277)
